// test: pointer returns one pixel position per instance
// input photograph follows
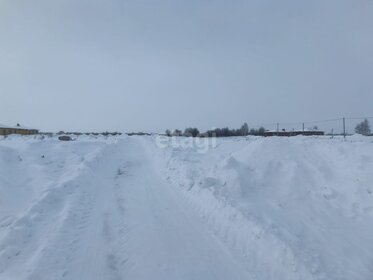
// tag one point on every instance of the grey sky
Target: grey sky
(150, 65)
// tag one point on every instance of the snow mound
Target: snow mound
(288, 208)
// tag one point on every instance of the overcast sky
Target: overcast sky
(156, 64)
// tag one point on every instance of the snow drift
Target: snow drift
(289, 208)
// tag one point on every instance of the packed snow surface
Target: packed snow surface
(181, 208)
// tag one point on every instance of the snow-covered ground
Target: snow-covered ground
(132, 208)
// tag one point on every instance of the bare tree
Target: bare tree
(177, 132)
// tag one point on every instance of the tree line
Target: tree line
(217, 132)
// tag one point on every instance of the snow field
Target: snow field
(125, 208)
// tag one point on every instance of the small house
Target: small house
(18, 129)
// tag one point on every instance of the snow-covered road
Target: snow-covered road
(129, 208)
(117, 219)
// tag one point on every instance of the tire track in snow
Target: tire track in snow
(91, 241)
(29, 238)
(168, 241)
(121, 220)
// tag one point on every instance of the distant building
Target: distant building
(6, 130)
(294, 133)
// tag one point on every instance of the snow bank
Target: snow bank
(288, 208)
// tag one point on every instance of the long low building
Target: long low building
(18, 129)
(294, 133)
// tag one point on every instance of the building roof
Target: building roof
(16, 127)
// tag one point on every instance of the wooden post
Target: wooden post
(344, 128)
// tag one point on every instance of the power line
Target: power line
(359, 118)
(324, 121)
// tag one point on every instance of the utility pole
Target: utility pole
(303, 127)
(278, 127)
(344, 128)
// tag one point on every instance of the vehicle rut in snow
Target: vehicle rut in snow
(118, 219)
